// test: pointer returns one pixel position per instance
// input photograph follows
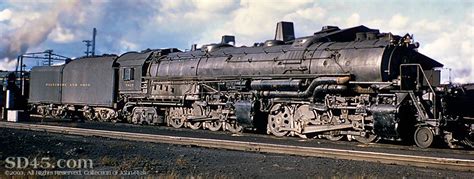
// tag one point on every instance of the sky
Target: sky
(444, 28)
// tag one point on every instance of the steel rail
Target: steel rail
(385, 158)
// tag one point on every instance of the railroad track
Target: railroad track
(385, 158)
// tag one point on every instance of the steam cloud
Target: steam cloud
(33, 32)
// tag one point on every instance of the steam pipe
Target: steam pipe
(309, 91)
(324, 89)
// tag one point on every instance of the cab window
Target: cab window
(128, 74)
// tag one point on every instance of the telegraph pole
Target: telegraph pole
(94, 33)
(90, 43)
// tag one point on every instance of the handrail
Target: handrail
(427, 82)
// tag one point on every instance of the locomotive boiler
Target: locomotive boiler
(356, 83)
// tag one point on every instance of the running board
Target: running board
(323, 128)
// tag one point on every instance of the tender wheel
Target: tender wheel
(233, 126)
(104, 116)
(423, 137)
(89, 115)
(279, 117)
(63, 115)
(214, 126)
(368, 138)
(60, 112)
(55, 113)
(42, 111)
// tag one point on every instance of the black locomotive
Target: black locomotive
(354, 82)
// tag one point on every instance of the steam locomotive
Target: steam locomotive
(356, 83)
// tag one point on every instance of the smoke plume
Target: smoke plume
(32, 32)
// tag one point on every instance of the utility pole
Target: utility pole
(48, 55)
(94, 33)
(90, 43)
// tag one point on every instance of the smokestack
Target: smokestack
(284, 31)
(94, 33)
